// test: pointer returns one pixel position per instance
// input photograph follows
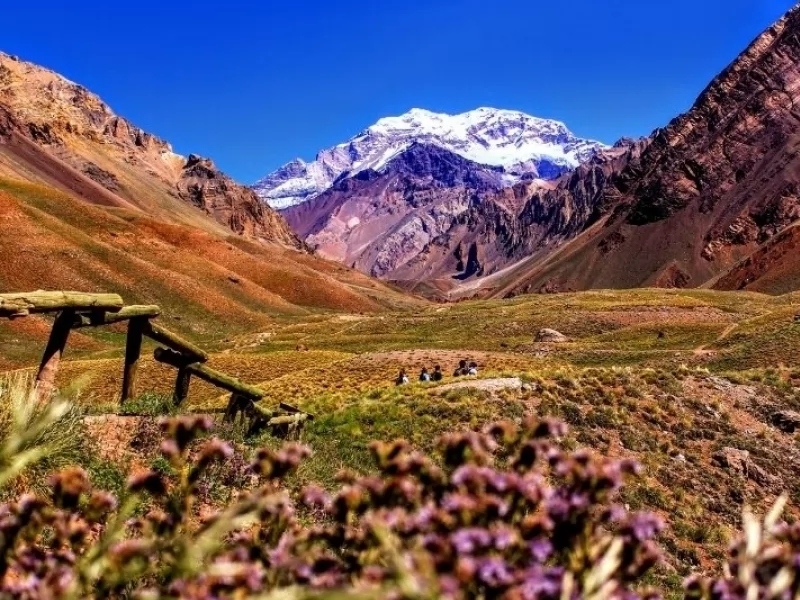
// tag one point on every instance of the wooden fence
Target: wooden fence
(75, 310)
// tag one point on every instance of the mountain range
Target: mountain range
(448, 206)
(489, 203)
(90, 201)
(525, 147)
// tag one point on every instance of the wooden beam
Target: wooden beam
(182, 381)
(176, 342)
(46, 377)
(288, 419)
(294, 410)
(22, 304)
(101, 317)
(231, 384)
(133, 351)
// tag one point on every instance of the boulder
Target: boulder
(551, 335)
(786, 420)
(732, 459)
(761, 476)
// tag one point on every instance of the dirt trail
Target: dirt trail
(701, 350)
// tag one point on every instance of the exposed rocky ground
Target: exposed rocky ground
(704, 201)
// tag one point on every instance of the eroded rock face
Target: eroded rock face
(407, 221)
(707, 191)
(66, 136)
(236, 206)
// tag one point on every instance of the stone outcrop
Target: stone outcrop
(58, 133)
(707, 191)
(551, 336)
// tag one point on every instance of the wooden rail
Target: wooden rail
(231, 384)
(100, 318)
(76, 310)
(175, 342)
(21, 305)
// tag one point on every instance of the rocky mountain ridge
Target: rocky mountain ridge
(701, 204)
(525, 147)
(72, 140)
(704, 201)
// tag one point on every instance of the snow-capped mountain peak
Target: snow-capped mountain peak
(525, 146)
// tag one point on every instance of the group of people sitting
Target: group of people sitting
(437, 375)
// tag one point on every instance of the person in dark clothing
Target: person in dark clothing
(437, 373)
(424, 375)
(402, 378)
(461, 370)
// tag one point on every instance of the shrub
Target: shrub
(504, 514)
(149, 404)
(38, 436)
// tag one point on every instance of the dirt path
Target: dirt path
(701, 350)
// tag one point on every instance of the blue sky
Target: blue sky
(254, 84)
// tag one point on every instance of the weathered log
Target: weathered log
(22, 304)
(231, 384)
(293, 409)
(288, 419)
(133, 351)
(101, 317)
(182, 381)
(174, 341)
(46, 377)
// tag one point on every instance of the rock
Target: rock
(551, 336)
(760, 476)
(680, 458)
(718, 383)
(732, 459)
(527, 387)
(301, 348)
(234, 279)
(786, 420)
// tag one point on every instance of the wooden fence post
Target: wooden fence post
(133, 350)
(46, 377)
(182, 381)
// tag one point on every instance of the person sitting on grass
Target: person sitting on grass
(437, 373)
(461, 370)
(473, 368)
(402, 378)
(424, 375)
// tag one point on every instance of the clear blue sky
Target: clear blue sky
(254, 84)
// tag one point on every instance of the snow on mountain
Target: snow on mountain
(525, 146)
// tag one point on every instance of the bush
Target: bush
(29, 425)
(504, 514)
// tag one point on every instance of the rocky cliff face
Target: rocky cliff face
(525, 147)
(710, 189)
(382, 221)
(58, 133)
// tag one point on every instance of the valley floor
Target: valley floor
(686, 382)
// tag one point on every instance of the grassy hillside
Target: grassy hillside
(211, 286)
(674, 379)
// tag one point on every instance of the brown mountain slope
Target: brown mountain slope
(421, 218)
(56, 133)
(89, 202)
(215, 285)
(709, 190)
